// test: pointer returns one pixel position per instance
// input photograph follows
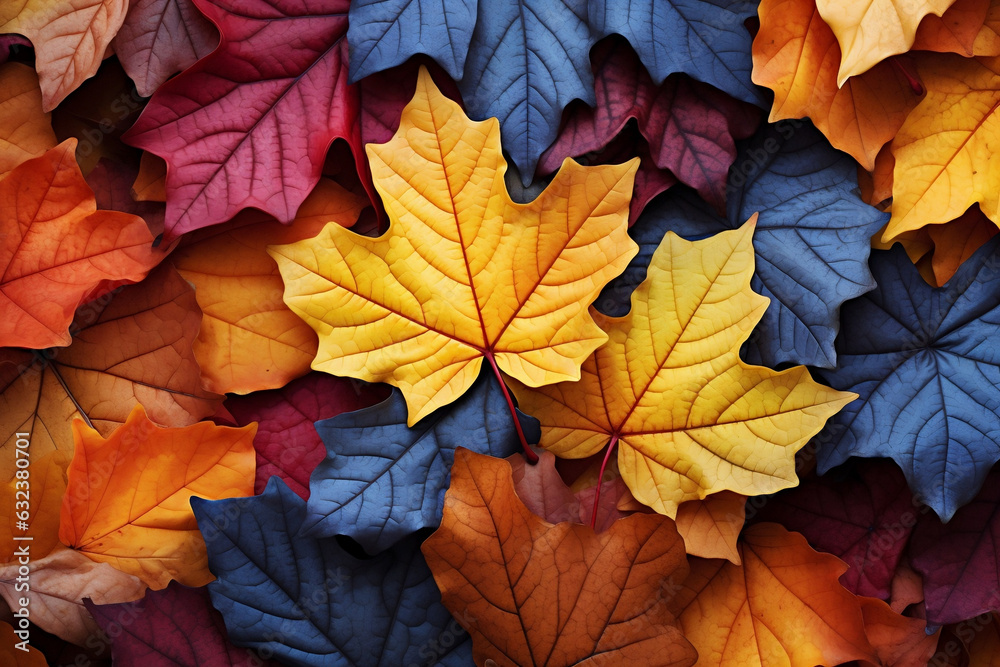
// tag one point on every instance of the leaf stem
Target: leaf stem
(600, 480)
(528, 454)
(905, 67)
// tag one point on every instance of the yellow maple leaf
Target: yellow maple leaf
(946, 150)
(689, 418)
(463, 272)
(869, 31)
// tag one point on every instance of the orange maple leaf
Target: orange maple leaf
(114, 362)
(127, 500)
(553, 594)
(59, 250)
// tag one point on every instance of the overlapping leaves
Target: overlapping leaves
(688, 417)
(464, 274)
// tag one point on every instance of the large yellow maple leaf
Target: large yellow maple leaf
(463, 272)
(689, 418)
(869, 31)
(946, 151)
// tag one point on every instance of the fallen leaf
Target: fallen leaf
(863, 515)
(955, 31)
(527, 60)
(323, 606)
(462, 273)
(956, 241)
(381, 480)
(878, 185)
(150, 182)
(275, 102)
(920, 359)
(168, 628)
(59, 249)
(988, 39)
(899, 641)
(287, 443)
(112, 182)
(804, 192)
(943, 150)
(59, 582)
(25, 130)
(42, 489)
(706, 39)
(907, 588)
(958, 561)
(386, 34)
(249, 340)
(689, 418)
(113, 363)
(691, 127)
(69, 36)
(650, 180)
(385, 94)
(160, 38)
(542, 490)
(710, 527)
(783, 605)
(608, 494)
(869, 31)
(126, 502)
(533, 593)
(796, 55)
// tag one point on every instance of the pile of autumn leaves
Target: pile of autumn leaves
(120, 335)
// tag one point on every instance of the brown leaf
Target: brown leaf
(59, 582)
(782, 606)
(711, 526)
(132, 346)
(542, 594)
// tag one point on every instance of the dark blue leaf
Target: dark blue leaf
(385, 33)
(812, 240)
(705, 39)
(381, 480)
(307, 602)
(926, 364)
(528, 59)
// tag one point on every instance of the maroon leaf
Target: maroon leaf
(160, 38)
(960, 561)
(691, 126)
(542, 490)
(384, 94)
(650, 180)
(287, 443)
(173, 627)
(112, 186)
(862, 514)
(276, 87)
